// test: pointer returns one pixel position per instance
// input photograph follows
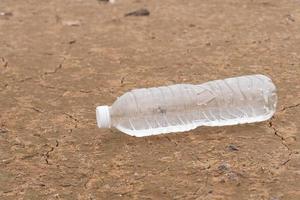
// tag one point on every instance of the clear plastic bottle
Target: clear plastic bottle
(182, 107)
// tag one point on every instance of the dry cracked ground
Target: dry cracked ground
(60, 59)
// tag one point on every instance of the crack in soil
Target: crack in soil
(62, 62)
(71, 117)
(85, 91)
(56, 69)
(35, 109)
(276, 133)
(47, 154)
(25, 79)
(74, 119)
(289, 107)
(52, 87)
(169, 139)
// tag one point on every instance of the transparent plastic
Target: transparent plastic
(182, 107)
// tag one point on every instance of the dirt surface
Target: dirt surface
(61, 59)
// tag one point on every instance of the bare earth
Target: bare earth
(59, 59)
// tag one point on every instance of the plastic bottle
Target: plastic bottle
(182, 107)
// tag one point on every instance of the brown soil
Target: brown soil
(60, 59)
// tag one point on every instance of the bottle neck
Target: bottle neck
(103, 116)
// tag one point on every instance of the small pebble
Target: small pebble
(107, 1)
(224, 167)
(72, 41)
(232, 147)
(290, 18)
(140, 12)
(2, 130)
(274, 198)
(6, 14)
(71, 23)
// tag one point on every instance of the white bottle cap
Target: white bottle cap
(103, 116)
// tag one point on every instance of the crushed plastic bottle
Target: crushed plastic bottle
(182, 107)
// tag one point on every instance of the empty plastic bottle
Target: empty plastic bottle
(182, 107)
